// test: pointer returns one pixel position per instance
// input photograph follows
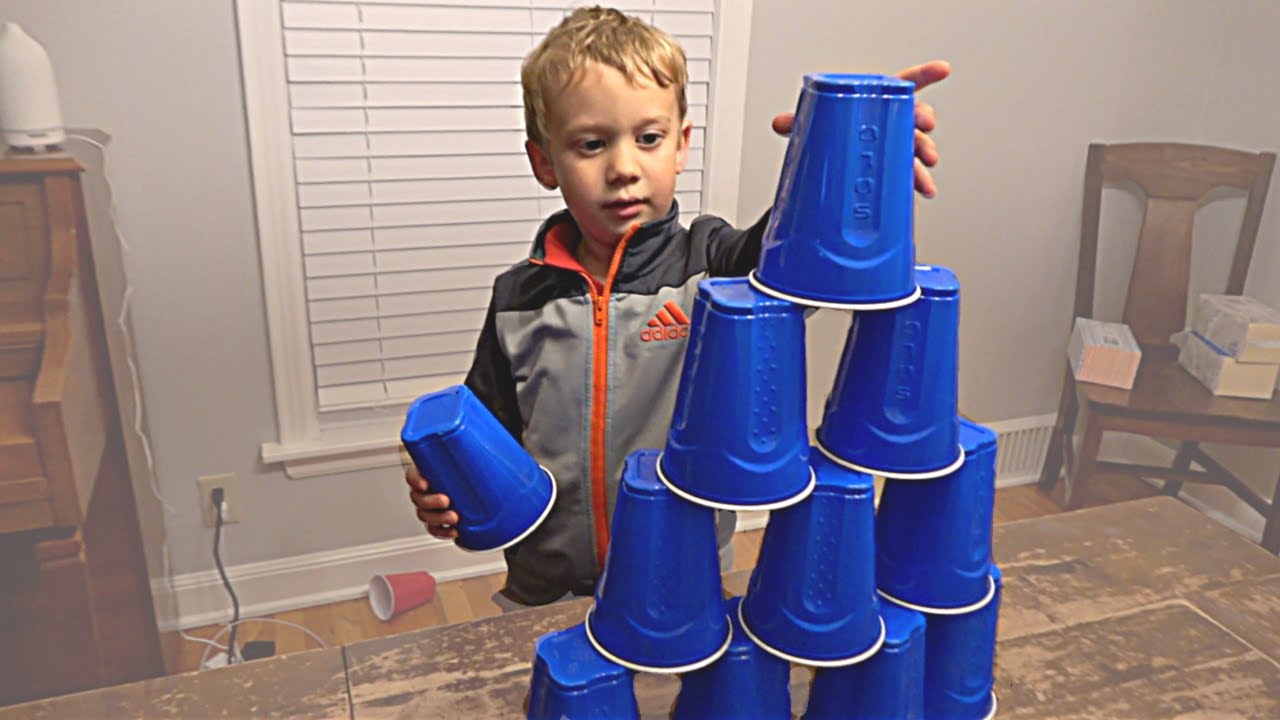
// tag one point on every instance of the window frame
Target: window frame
(309, 445)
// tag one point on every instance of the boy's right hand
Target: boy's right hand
(433, 508)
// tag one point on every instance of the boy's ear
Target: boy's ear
(541, 164)
(682, 151)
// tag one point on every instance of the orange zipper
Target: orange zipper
(599, 396)
(600, 391)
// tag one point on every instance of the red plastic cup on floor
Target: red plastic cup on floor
(390, 595)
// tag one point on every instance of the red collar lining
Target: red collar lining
(558, 246)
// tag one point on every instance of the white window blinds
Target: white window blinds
(413, 191)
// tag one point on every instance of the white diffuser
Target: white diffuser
(30, 117)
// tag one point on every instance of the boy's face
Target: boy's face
(614, 149)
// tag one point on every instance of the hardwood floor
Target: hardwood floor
(469, 599)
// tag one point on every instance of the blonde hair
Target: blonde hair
(606, 36)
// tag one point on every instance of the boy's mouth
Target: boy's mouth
(624, 202)
(625, 207)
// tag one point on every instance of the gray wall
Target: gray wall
(1034, 83)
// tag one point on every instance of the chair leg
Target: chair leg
(1086, 462)
(1182, 461)
(1271, 531)
(1062, 431)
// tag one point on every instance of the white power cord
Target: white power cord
(143, 439)
(204, 658)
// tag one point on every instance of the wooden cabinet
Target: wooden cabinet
(70, 551)
(53, 369)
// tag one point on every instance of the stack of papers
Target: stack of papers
(1105, 353)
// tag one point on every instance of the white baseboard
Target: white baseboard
(314, 579)
(318, 578)
(1021, 444)
(1008, 481)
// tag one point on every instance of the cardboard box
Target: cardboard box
(1103, 352)
(1240, 326)
(1220, 372)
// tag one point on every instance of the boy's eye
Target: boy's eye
(650, 138)
(591, 145)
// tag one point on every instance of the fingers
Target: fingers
(926, 149)
(442, 532)
(431, 508)
(428, 500)
(782, 123)
(438, 517)
(926, 119)
(924, 180)
(926, 74)
(440, 523)
(414, 479)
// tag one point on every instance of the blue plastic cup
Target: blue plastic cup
(746, 682)
(933, 537)
(889, 685)
(841, 230)
(571, 679)
(498, 490)
(659, 605)
(811, 598)
(959, 665)
(892, 410)
(738, 437)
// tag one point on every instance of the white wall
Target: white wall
(1034, 83)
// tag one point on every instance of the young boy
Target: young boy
(582, 345)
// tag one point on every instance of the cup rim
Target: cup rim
(893, 474)
(964, 610)
(843, 662)
(381, 597)
(775, 505)
(551, 502)
(586, 624)
(994, 705)
(813, 302)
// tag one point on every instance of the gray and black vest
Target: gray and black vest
(582, 374)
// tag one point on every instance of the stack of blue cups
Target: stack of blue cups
(840, 234)
(746, 683)
(889, 685)
(812, 596)
(658, 606)
(933, 555)
(895, 608)
(738, 439)
(572, 680)
(892, 411)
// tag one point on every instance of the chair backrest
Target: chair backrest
(1175, 177)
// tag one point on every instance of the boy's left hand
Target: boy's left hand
(926, 151)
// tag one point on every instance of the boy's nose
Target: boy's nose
(623, 166)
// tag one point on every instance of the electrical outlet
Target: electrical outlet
(230, 498)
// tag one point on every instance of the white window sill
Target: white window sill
(336, 452)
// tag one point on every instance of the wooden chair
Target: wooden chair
(1166, 402)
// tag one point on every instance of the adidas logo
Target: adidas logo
(669, 324)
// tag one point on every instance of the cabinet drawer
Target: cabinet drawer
(24, 505)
